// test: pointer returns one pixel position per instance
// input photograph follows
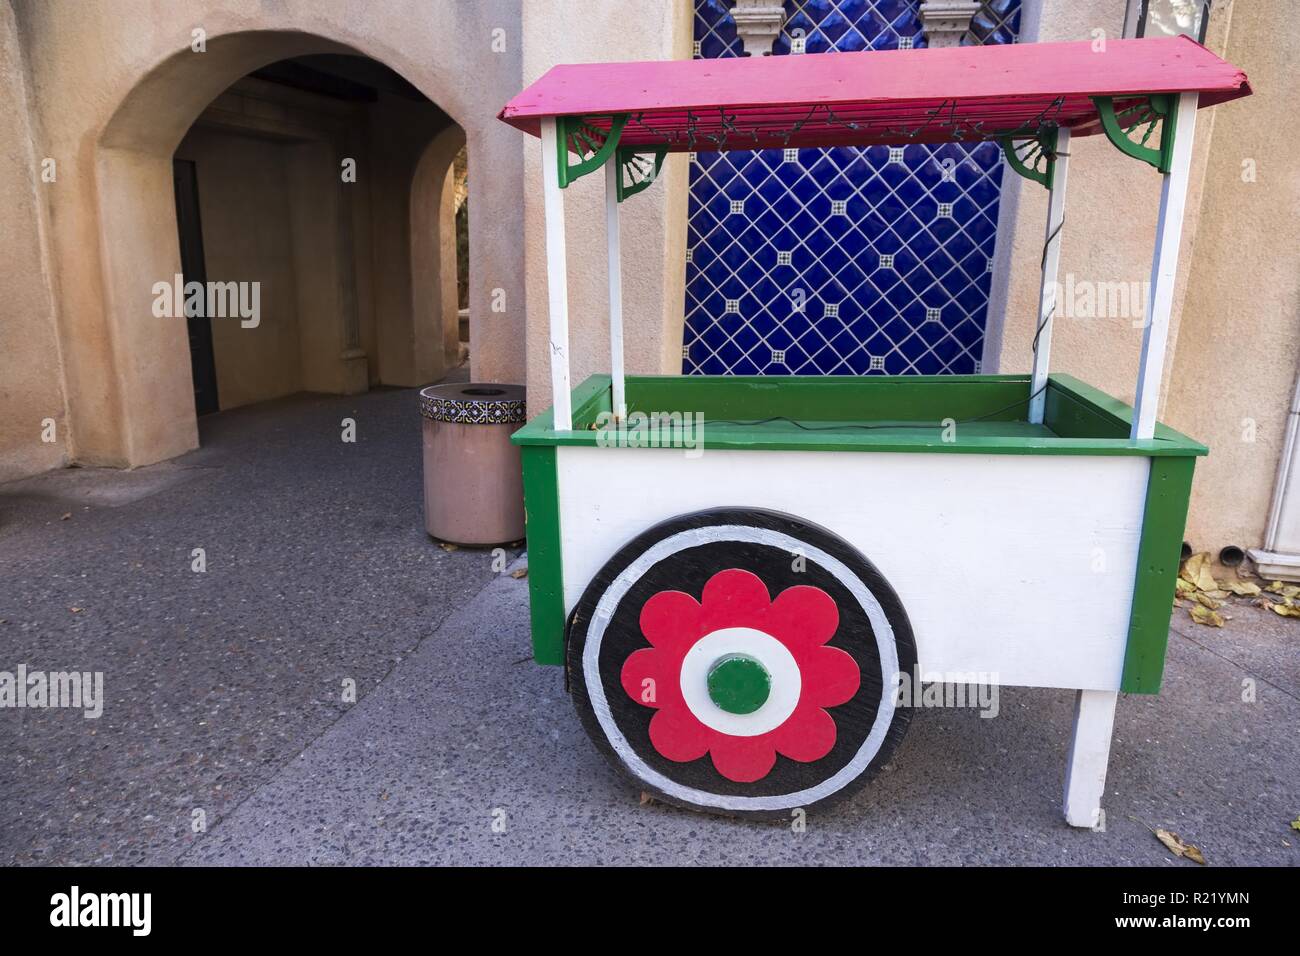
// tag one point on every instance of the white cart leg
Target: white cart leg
(1085, 774)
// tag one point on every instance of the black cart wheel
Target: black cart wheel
(741, 662)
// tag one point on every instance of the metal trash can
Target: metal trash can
(473, 485)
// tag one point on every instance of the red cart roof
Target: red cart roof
(894, 96)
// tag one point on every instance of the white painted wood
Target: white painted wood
(1282, 535)
(557, 279)
(1276, 565)
(1085, 774)
(1047, 288)
(612, 243)
(1164, 270)
(1018, 566)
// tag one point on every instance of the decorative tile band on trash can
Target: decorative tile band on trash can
(474, 404)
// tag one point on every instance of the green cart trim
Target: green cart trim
(904, 414)
(1038, 162)
(1141, 119)
(1080, 419)
(545, 566)
(1168, 492)
(637, 169)
(592, 144)
(542, 509)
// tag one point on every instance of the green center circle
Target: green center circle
(739, 684)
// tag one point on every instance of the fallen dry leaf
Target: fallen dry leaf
(1295, 824)
(1285, 610)
(448, 546)
(1203, 615)
(1208, 601)
(1184, 587)
(1177, 847)
(1243, 588)
(1286, 590)
(1197, 570)
(519, 573)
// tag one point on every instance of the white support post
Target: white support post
(1085, 774)
(612, 172)
(557, 280)
(1164, 269)
(1048, 286)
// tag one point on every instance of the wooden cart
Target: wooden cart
(741, 573)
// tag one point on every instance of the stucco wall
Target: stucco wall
(113, 88)
(244, 208)
(653, 223)
(1111, 206)
(400, 134)
(1231, 360)
(31, 380)
(1239, 345)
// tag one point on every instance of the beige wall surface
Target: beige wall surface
(244, 208)
(31, 380)
(1232, 355)
(330, 255)
(1111, 205)
(653, 223)
(1239, 345)
(114, 86)
(401, 133)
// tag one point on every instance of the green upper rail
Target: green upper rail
(905, 414)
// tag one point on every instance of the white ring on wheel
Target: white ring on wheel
(775, 658)
(694, 537)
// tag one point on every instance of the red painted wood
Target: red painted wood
(803, 618)
(889, 96)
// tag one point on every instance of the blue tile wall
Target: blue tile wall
(848, 261)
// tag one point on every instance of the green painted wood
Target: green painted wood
(599, 143)
(1163, 106)
(739, 684)
(1121, 414)
(857, 400)
(1067, 415)
(645, 162)
(589, 399)
(1168, 493)
(545, 567)
(1046, 142)
(901, 414)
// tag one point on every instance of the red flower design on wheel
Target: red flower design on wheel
(740, 676)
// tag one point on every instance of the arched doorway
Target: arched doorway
(316, 231)
(131, 386)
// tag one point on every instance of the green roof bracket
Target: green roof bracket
(1141, 117)
(592, 144)
(1038, 161)
(638, 168)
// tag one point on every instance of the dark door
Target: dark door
(193, 269)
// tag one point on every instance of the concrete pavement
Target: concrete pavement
(224, 696)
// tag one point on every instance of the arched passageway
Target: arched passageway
(316, 224)
(269, 121)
